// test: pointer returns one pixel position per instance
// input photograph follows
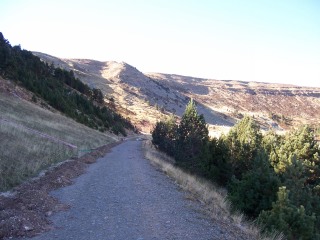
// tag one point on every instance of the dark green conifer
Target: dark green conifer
(192, 135)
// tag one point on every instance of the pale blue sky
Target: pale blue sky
(249, 40)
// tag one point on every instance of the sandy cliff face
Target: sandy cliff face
(147, 98)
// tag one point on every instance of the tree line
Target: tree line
(60, 89)
(273, 179)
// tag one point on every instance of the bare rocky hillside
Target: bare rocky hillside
(148, 97)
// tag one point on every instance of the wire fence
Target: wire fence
(42, 134)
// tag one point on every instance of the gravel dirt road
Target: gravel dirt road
(123, 197)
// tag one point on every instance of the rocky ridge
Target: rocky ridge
(147, 97)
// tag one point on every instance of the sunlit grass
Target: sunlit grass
(23, 154)
(24, 151)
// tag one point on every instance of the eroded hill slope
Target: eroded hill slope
(147, 97)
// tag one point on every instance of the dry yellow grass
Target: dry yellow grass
(213, 197)
(32, 138)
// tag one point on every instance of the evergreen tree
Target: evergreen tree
(295, 178)
(299, 144)
(164, 135)
(243, 140)
(257, 188)
(270, 143)
(215, 161)
(289, 219)
(192, 135)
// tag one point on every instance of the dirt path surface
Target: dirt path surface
(123, 197)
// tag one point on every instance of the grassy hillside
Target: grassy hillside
(60, 89)
(32, 138)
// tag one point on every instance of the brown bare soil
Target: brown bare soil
(25, 210)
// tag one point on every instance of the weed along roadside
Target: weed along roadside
(213, 198)
(271, 178)
(25, 210)
(17, 220)
(127, 198)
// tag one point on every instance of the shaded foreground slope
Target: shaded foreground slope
(25, 211)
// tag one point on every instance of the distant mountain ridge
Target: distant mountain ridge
(148, 97)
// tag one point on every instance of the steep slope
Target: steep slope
(143, 99)
(146, 98)
(33, 138)
(60, 89)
